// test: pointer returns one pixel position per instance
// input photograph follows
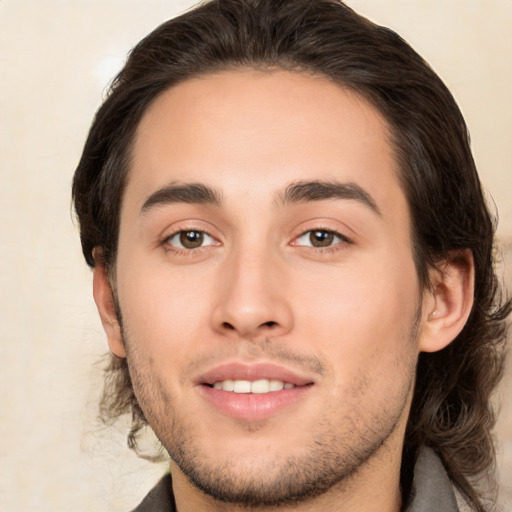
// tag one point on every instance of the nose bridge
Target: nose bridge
(252, 298)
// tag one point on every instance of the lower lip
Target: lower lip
(253, 406)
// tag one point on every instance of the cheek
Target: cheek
(362, 318)
(162, 310)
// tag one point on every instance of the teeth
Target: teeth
(277, 385)
(257, 386)
(242, 386)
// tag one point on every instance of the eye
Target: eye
(320, 238)
(190, 239)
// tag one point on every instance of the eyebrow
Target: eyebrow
(192, 193)
(306, 191)
(299, 192)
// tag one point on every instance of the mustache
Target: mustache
(265, 348)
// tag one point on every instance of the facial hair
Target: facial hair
(328, 462)
(329, 459)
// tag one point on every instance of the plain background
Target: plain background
(56, 57)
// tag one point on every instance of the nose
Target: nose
(252, 297)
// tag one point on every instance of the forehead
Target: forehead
(254, 132)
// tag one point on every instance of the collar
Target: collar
(431, 486)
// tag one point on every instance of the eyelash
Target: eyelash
(165, 243)
(336, 246)
(339, 245)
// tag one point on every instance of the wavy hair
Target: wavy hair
(451, 411)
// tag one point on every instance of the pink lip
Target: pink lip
(252, 406)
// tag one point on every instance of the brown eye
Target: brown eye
(321, 238)
(190, 239)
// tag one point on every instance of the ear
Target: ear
(448, 303)
(104, 298)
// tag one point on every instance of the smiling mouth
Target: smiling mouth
(252, 392)
(260, 386)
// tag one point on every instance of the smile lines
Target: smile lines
(258, 386)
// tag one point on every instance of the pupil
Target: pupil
(321, 238)
(191, 239)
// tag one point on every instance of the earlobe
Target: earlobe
(103, 296)
(448, 304)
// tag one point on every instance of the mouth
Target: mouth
(253, 392)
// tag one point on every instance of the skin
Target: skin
(349, 317)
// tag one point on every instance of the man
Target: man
(293, 264)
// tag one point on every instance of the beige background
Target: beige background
(56, 57)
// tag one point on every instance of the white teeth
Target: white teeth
(278, 385)
(257, 386)
(242, 386)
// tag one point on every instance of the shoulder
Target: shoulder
(462, 502)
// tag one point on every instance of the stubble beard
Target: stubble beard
(330, 460)
(327, 462)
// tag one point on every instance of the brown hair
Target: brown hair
(451, 411)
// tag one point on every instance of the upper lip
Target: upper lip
(252, 372)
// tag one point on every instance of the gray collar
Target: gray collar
(431, 488)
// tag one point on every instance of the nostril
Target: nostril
(247, 329)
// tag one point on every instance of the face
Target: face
(270, 303)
